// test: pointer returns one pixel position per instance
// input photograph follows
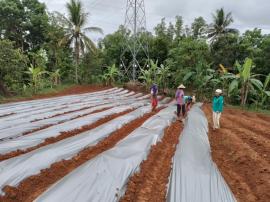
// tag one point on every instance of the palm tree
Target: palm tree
(75, 33)
(220, 25)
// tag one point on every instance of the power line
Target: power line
(135, 21)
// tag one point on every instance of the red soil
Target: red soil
(241, 151)
(150, 183)
(33, 186)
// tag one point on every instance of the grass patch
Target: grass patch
(29, 94)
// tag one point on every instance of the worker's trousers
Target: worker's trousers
(216, 118)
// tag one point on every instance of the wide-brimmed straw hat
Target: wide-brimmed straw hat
(181, 86)
(219, 91)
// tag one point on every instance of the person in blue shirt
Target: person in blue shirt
(217, 106)
(188, 101)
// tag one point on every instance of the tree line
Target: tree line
(204, 56)
(40, 50)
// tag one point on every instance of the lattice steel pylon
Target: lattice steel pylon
(135, 23)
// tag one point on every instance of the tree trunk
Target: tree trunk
(77, 55)
(242, 96)
(244, 93)
(3, 90)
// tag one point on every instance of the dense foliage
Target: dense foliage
(204, 57)
(12, 65)
(41, 49)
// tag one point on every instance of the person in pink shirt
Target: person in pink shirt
(180, 101)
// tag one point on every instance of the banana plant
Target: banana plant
(163, 74)
(243, 81)
(265, 94)
(55, 77)
(110, 75)
(146, 76)
(35, 76)
(203, 78)
(150, 76)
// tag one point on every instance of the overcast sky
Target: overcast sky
(109, 14)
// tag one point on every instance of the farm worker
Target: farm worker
(217, 108)
(180, 101)
(188, 101)
(194, 98)
(154, 99)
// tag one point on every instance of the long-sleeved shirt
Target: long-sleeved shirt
(179, 96)
(154, 90)
(217, 104)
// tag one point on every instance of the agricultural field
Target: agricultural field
(241, 150)
(79, 85)
(107, 145)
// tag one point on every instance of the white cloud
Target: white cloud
(109, 14)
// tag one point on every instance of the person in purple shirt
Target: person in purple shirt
(180, 101)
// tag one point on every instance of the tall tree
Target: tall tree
(161, 28)
(225, 50)
(187, 31)
(250, 43)
(198, 27)
(188, 54)
(76, 33)
(12, 11)
(170, 31)
(36, 24)
(262, 59)
(221, 23)
(112, 45)
(159, 46)
(178, 26)
(59, 57)
(12, 65)
(25, 22)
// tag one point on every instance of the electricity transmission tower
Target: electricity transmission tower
(135, 24)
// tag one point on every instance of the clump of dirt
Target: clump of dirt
(65, 134)
(150, 183)
(240, 149)
(33, 186)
